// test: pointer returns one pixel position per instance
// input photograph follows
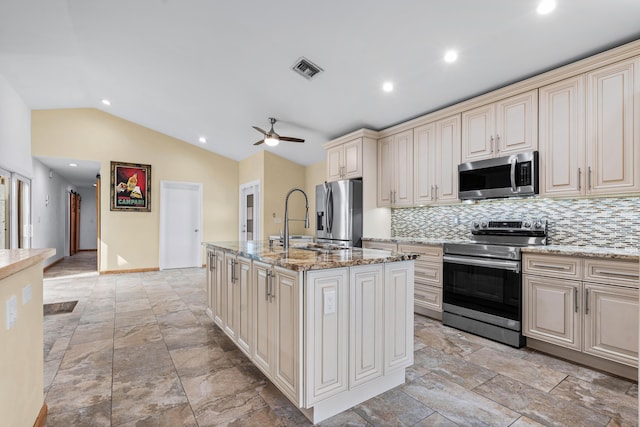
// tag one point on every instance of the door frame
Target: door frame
(242, 210)
(164, 186)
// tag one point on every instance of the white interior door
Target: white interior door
(180, 224)
(249, 211)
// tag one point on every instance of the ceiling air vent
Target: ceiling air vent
(306, 68)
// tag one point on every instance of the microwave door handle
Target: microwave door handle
(514, 162)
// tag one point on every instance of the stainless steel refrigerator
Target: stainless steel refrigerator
(339, 212)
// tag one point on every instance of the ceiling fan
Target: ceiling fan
(271, 138)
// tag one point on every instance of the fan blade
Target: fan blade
(259, 142)
(259, 130)
(288, 138)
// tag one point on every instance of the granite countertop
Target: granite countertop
(15, 260)
(302, 258)
(583, 251)
(586, 251)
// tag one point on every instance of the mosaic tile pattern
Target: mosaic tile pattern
(608, 222)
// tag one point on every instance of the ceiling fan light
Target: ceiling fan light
(271, 140)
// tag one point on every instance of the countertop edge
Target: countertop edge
(13, 261)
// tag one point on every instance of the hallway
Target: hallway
(84, 263)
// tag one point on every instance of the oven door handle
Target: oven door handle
(477, 262)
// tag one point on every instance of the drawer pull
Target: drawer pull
(552, 267)
(614, 273)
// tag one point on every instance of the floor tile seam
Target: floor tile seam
(407, 395)
(580, 402)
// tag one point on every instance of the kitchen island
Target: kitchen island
(330, 327)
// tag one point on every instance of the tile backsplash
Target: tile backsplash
(608, 222)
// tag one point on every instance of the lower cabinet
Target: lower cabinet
(580, 313)
(277, 326)
(428, 278)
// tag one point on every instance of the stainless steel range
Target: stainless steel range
(483, 278)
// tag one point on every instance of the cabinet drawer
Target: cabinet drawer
(428, 296)
(553, 266)
(428, 272)
(385, 246)
(612, 272)
(427, 252)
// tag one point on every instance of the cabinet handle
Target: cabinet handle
(233, 271)
(432, 191)
(586, 301)
(575, 299)
(579, 179)
(271, 293)
(212, 261)
(552, 267)
(266, 287)
(436, 192)
(589, 178)
(614, 273)
(497, 143)
(491, 142)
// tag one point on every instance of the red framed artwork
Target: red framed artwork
(130, 187)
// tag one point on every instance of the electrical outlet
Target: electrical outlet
(12, 311)
(27, 294)
(329, 302)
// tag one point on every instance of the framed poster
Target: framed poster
(130, 187)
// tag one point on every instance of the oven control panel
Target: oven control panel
(534, 224)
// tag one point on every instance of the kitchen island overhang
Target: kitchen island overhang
(329, 327)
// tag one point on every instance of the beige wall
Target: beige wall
(314, 174)
(21, 362)
(130, 239)
(280, 176)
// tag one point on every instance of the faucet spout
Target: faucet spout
(285, 243)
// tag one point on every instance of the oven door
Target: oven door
(483, 285)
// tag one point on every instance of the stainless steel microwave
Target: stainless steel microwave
(508, 176)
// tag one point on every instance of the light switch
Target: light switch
(27, 294)
(12, 311)
(329, 302)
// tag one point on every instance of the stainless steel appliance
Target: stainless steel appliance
(508, 176)
(339, 212)
(482, 280)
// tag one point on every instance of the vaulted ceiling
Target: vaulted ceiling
(203, 68)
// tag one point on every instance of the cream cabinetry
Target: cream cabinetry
(505, 127)
(587, 140)
(395, 170)
(216, 292)
(584, 304)
(427, 279)
(277, 327)
(384, 246)
(344, 161)
(436, 156)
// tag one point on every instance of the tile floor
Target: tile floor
(139, 350)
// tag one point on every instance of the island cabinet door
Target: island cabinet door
(398, 315)
(219, 290)
(263, 318)
(232, 295)
(243, 310)
(286, 301)
(327, 329)
(366, 351)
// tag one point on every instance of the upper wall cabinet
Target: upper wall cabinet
(587, 141)
(395, 170)
(436, 157)
(505, 127)
(613, 113)
(344, 161)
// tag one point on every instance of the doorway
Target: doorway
(5, 212)
(180, 225)
(74, 222)
(249, 211)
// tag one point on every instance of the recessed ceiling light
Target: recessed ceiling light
(73, 165)
(105, 101)
(450, 56)
(546, 6)
(202, 139)
(387, 87)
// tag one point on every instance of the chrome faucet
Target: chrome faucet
(285, 243)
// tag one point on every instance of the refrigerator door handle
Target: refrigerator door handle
(330, 210)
